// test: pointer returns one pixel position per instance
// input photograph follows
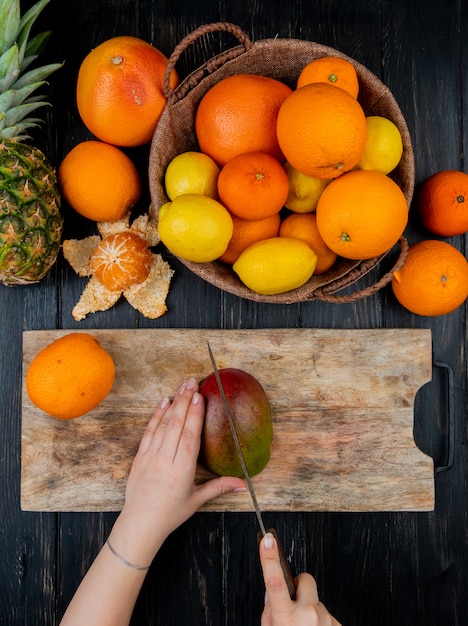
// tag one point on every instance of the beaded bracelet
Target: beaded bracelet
(124, 561)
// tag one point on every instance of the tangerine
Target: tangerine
(119, 92)
(304, 226)
(121, 260)
(99, 181)
(253, 185)
(70, 376)
(442, 203)
(331, 70)
(238, 114)
(361, 214)
(247, 232)
(433, 280)
(321, 130)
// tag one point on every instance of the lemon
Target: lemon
(195, 227)
(384, 145)
(276, 265)
(191, 172)
(304, 191)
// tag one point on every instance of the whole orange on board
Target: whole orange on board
(304, 226)
(321, 130)
(99, 181)
(238, 114)
(119, 91)
(331, 70)
(121, 260)
(247, 232)
(361, 214)
(433, 280)
(70, 376)
(253, 185)
(442, 203)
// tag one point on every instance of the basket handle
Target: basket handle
(322, 293)
(193, 79)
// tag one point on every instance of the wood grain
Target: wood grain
(343, 406)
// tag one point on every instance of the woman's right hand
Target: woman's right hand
(280, 610)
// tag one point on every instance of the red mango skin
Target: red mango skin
(253, 418)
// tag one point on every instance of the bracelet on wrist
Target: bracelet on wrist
(140, 568)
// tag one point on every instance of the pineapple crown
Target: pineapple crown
(17, 53)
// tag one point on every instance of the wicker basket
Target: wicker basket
(282, 59)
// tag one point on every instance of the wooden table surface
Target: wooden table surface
(383, 568)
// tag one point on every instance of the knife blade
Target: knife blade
(229, 414)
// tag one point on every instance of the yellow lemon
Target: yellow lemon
(304, 191)
(191, 172)
(276, 265)
(384, 145)
(195, 227)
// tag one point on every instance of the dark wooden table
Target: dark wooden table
(409, 569)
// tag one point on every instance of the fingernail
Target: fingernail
(182, 389)
(190, 384)
(268, 541)
(196, 398)
(266, 598)
(239, 489)
(164, 403)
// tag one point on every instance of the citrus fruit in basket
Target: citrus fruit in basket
(119, 91)
(99, 181)
(304, 191)
(304, 226)
(321, 130)
(70, 376)
(442, 203)
(253, 185)
(361, 214)
(331, 70)
(195, 227)
(191, 172)
(121, 260)
(384, 145)
(276, 265)
(433, 280)
(247, 232)
(238, 114)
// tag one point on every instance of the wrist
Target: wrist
(132, 542)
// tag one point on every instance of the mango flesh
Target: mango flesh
(252, 415)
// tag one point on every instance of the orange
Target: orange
(70, 376)
(361, 214)
(121, 260)
(253, 185)
(433, 280)
(321, 130)
(99, 181)
(238, 114)
(304, 226)
(119, 91)
(331, 70)
(442, 202)
(247, 232)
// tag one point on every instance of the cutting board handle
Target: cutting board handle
(451, 419)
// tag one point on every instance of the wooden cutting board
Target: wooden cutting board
(342, 400)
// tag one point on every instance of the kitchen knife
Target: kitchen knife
(283, 560)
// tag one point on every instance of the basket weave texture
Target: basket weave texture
(282, 59)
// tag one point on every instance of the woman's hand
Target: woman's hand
(161, 493)
(280, 610)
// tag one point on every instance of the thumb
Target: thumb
(217, 487)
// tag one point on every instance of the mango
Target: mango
(253, 418)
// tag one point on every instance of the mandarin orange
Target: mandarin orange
(321, 130)
(433, 280)
(304, 226)
(442, 203)
(361, 214)
(331, 70)
(238, 114)
(119, 91)
(253, 185)
(247, 232)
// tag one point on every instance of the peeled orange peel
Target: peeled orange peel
(148, 290)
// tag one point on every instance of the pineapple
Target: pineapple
(30, 219)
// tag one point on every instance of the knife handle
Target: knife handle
(288, 577)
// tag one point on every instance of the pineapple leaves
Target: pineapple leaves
(9, 23)
(9, 67)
